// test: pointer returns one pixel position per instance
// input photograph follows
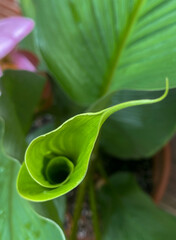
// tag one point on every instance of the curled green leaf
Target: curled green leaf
(58, 170)
(57, 162)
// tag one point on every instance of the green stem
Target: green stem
(80, 195)
(101, 169)
(93, 206)
(78, 207)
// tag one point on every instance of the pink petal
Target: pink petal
(30, 56)
(6, 46)
(22, 62)
(12, 31)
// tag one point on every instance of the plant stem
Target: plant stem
(101, 169)
(78, 207)
(93, 206)
(80, 195)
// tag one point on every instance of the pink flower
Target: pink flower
(12, 31)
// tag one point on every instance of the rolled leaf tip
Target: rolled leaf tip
(48, 172)
(58, 170)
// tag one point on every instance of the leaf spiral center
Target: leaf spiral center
(59, 170)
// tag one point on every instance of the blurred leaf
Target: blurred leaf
(95, 47)
(127, 213)
(20, 93)
(29, 42)
(64, 107)
(17, 219)
(140, 131)
(40, 130)
(63, 154)
(54, 209)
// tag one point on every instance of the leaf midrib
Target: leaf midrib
(120, 47)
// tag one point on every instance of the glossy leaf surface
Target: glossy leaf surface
(95, 47)
(17, 219)
(140, 131)
(127, 213)
(16, 110)
(57, 162)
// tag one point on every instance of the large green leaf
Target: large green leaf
(140, 131)
(97, 46)
(127, 213)
(20, 94)
(17, 219)
(29, 43)
(63, 154)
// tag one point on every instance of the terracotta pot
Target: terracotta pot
(161, 172)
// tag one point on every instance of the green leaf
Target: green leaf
(20, 94)
(140, 131)
(95, 47)
(56, 208)
(63, 154)
(39, 131)
(29, 42)
(17, 219)
(127, 213)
